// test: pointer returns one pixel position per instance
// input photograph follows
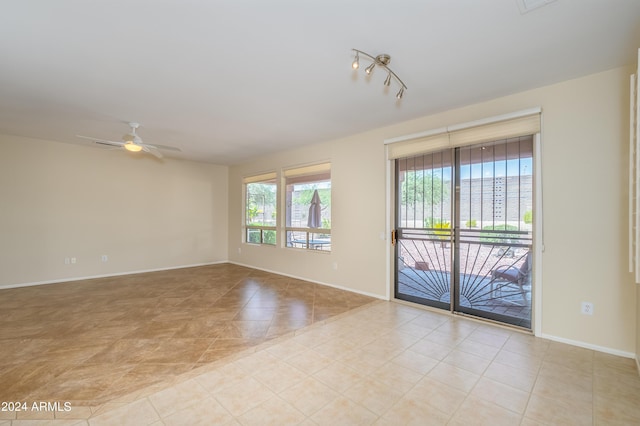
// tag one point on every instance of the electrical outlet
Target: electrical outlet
(104, 258)
(73, 260)
(67, 261)
(587, 308)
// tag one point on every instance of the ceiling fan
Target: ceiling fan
(132, 142)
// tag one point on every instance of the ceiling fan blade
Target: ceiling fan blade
(101, 141)
(112, 145)
(151, 150)
(166, 148)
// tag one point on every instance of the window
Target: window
(260, 209)
(308, 201)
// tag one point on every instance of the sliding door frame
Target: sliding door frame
(538, 234)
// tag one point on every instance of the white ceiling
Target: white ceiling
(230, 80)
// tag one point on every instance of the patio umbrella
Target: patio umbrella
(314, 220)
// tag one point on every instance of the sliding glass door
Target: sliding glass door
(464, 229)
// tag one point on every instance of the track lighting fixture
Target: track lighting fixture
(382, 61)
(356, 62)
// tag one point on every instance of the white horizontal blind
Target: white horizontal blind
(496, 128)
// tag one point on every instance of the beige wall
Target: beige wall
(61, 200)
(358, 180)
(584, 161)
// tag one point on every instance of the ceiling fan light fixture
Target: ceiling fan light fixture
(382, 61)
(130, 146)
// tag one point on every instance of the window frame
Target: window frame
(314, 239)
(264, 178)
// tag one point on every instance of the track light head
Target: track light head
(356, 62)
(387, 81)
(370, 68)
(400, 93)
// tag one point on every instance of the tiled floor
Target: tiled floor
(387, 363)
(91, 341)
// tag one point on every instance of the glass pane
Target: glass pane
(261, 204)
(424, 234)
(269, 237)
(309, 205)
(309, 240)
(494, 254)
(424, 189)
(424, 268)
(253, 236)
(308, 201)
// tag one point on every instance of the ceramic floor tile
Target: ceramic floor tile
(441, 396)
(616, 411)
(179, 319)
(479, 349)
(467, 361)
(511, 376)
(343, 411)
(396, 376)
(481, 412)
(419, 363)
(454, 376)
(431, 349)
(280, 376)
(339, 376)
(554, 388)
(413, 410)
(502, 395)
(554, 411)
(273, 412)
(528, 363)
(374, 395)
(203, 413)
(177, 397)
(220, 378)
(243, 396)
(309, 395)
(136, 414)
(309, 361)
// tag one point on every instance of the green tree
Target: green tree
(423, 187)
(261, 198)
(304, 196)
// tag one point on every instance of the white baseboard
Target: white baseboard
(598, 348)
(117, 274)
(364, 293)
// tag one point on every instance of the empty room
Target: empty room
(320, 213)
